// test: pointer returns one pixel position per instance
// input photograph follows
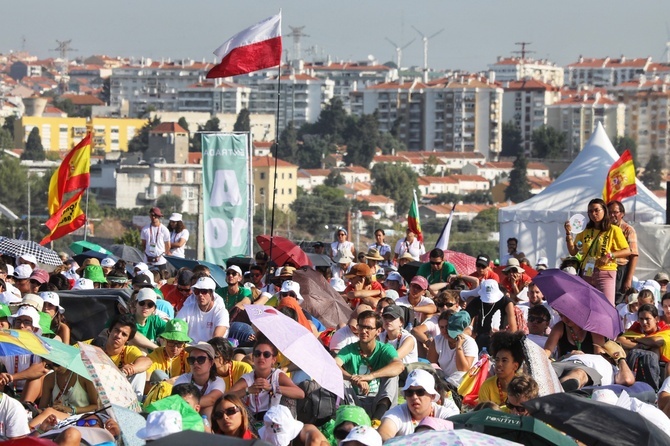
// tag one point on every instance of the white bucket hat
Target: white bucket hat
(161, 424)
(423, 379)
(290, 285)
(53, 299)
(279, 426)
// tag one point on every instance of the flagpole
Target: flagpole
(274, 181)
(86, 213)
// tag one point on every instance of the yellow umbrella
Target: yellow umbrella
(20, 342)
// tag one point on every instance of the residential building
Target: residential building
(463, 211)
(387, 205)
(168, 141)
(577, 114)
(355, 174)
(525, 105)
(494, 171)
(455, 184)
(508, 69)
(262, 125)
(286, 185)
(308, 179)
(213, 96)
(609, 72)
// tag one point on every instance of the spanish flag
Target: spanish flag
(67, 219)
(413, 220)
(73, 174)
(620, 181)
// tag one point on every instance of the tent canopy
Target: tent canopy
(538, 222)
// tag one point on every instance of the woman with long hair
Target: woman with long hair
(600, 244)
(203, 375)
(52, 307)
(230, 417)
(178, 235)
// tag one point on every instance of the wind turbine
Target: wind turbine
(398, 50)
(425, 50)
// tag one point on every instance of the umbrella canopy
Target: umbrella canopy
(527, 430)
(284, 251)
(408, 270)
(127, 253)
(190, 419)
(204, 439)
(79, 258)
(85, 245)
(88, 310)
(15, 248)
(321, 300)
(459, 437)
(300, 346)
(130, 423)
(595, 423)
(112, 386)
(464, 263)
(580, 302)
(320, 260)
(20, 342)
(64, 355)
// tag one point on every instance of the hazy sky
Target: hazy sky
(475, 31)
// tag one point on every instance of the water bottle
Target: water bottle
(205, 421)
(485, 352)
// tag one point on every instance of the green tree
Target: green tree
(511, 139)
(397, 182)
(325, 206)
(390, 144)
(183, 123)
(243, 123)
(652, 176)
(288, 144)
(9, 124)
(131, 238)
(140, 142)
(34, 150)
(311, 152)
(212, 125)
(6, 139)
(448, 197)
(66, 105)
(623, 143)
(333, 120)
(11, 174)
(478, 197)
(334, 179)
(548, 143)
(429, 168)
(362, 141)
(170, 203)
(518, 189)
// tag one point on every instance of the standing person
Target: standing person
(600, 244)
(342, 246)
(155, 240)
(382, 247)
(206, 316)
(437, 270)
(409, 244)
(512, 245)
(178, 235)
(625, 265)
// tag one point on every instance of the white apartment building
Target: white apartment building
(508, 69)
(577, 115)
(213, 96)
(525, 104)
(496, 170)
(608, 72)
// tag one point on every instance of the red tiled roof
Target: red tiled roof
(83, 99)
(194, 157)
(347, 66)
(374, 198)
(263, 144)
(454, 155)
(317, 172)
(355, 169)
(168, 127)
(459, 178)
(529, 84)
(268, 161)
(425, 180)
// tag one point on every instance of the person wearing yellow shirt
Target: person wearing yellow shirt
(169, 361)
(228, 369)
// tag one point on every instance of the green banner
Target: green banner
(225, 178)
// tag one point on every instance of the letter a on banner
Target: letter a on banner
(225, 177)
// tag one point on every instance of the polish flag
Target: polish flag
(253, 49)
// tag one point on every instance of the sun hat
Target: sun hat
(394, 276)
(542, 263)
(458, 322)
(28, 258)
(205, 283)
(662, 277)
(202, 346)
(40, 276)
(22, 271)
(360, 270)
(423, 379)
(343, 258)
(95, 273)
(83, 284)
(176, 216)
(53, 299)
(107, 262)
(290, 285)
(373, 254)
(176, 330)
(513, 264)
(161, 423)
(338, 284)
(32, 300)
(489, 291)
(421, 281)
(9, 298)
(27, 311)
(279, 426)
(366, 435)
(147, 294)
(406, 256)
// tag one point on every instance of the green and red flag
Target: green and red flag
(413, 220)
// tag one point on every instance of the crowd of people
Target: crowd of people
(404, 352)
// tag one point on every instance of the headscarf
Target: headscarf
(293, 304)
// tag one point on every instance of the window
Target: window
(290, 176)
(290, 191)
(261, 175)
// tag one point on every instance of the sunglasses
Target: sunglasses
(199, 359)
(288, 293)
(514, 407)
(448, 304)
(90, 422)
(266, 354)
(340, 434)
(146, 303)
(176, 344)
(366, 328)
(537, 319)
(184, 289)
(229, 412)
(417, 392)
(197, 291)
(231, 273)
(436, 263)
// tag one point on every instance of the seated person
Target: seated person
(13, 418)
(508, 354)
(66, 392)
(347, 417)
(538, 324)
(420, 402)
(425, 333)
(205, 314)
(396, 336)
(371, 368)
(648, 333)
(416, 298)
(170, 360)
(488, 301)
(228, 369)
(515, 279)
(522, 388)
(567, 338)
(148, 323)
(362, 288)
(436, 270)
(203, 376)
(453, 350)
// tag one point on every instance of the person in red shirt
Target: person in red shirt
(177, 293)
(484, 270)
(361, 288)
(515, 279)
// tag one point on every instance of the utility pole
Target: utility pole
(264, 216)
(29, 236)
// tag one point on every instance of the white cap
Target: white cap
(83, 284)
(423, 379)
(150, 275)
(392, 294)
(161, 424)
(53, 299)
(107, 262)
(27, 311)
(28, 258)
(366, 435)
(176, 216)
(141, 266)
(338, 284)
(235, 268)
(394, 276)
(10, 270)
(542, 261)
(570, 270)
(205, 283)
(290, 285)
(146, 294)
(279, 426)
(8, 298)
(22, 271)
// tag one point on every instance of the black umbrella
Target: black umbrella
(595, 423)
(79, 258)
(320, 260)
(127, 253)
(408, 270)
(87, 311)
(203, 439)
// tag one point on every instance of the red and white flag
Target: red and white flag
(253, 49)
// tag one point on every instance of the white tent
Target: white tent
(538, 222)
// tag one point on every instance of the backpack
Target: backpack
(319, 404)
(409, 317)
(645, 366)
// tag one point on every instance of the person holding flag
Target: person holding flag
(413, 241)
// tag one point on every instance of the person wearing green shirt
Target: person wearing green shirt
(372, 368)
(148, 323)
(437, 270)
(235, 295)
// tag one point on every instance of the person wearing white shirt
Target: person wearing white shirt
(382, 247)
(453, 350)
(13, 418)
(409, 244)
(206, 315)
(178, 235)
(396, 336)
(155, 240)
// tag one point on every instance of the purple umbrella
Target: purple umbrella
(580, 302)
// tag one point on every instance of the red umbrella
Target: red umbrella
(284, 251)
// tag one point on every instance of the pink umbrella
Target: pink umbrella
(464, 263)
(300, 346)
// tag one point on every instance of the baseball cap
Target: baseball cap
(290, 285)
(235, 268)
(157, 211)
(393, 311)
(176, 216)
(141, 280)
(662, 277)
(394, 276)
(205, 283)
(423, 379)
(392, 294)
(421, 281)
(22, 271)
(140, 266)
(161, 423)
(27, 311)
(184, 277)
(483, 260)
(53, 299)
(202, 346)
(359, 269)
(317, 245)
(146, 294)
(39, 275)
(107, 262)
(458, 322)
(176, 330)
(83, 284)
(542, 263)
(366, 435)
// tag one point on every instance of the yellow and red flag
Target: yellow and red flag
(67, 219)
(73, 174)
(620, 181)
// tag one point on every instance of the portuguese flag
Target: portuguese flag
(413, 220)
